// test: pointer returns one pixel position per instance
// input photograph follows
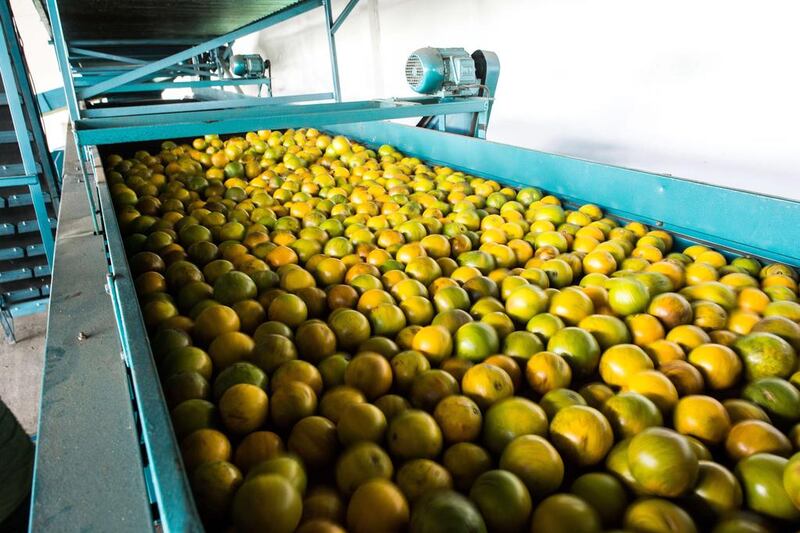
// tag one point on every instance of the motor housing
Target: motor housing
(248, 65)
(444, 71)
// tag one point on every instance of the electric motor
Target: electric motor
(442, 70)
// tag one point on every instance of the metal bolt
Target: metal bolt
(82, 336)
(659, 223)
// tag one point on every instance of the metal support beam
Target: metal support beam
(75, 51)
(156, 66)
(181, 107)
(43, 220)
(164, 126)
(60, 44)
(343, 15)
(162, 85)
(337, 92)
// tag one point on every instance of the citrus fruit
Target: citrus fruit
(421, 476)
(257, 447)
(565, 513)
(459, 418)
(359, 463)
(414, 434)
(502, 499)
(761, 476)
(749, 437)
(578, 348)
(446, 510)
(547, 371)
(662, 463)
(630, 413)
(702, 417)
(655, 514)
(486, 384)
(510, 418)
(476, 341)
(243, 408)
(377, 505)
(604, 493)
(581, 434)
(267, 502)
(314, 440)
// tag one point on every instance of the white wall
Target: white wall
(707, 90)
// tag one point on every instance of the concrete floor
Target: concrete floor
(21, 369)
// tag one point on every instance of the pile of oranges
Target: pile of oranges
(350, 339)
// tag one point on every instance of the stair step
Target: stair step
(16, 200)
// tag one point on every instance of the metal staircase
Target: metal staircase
(29, 189)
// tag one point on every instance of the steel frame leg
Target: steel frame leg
(8, 326)
(87, 183)
(43, 220)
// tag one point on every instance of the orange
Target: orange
(229, 348)
(688, 337)
(655, 386)
(257, 447)
(418, 477)
(378, 505)
(608, 330)
(571, 305)
(430, 387)
(525, 302)
(702, 417)
(291, 402)
(535, 461)
(414, 434)
(645, 328)
(203, 446)
(243, 408)
(720, 366)
(214, 485)
(459, 418)
(435, 342)
(214, 321)
(486, 384)
(510, 418)
(359, 463)
(314, 440)
(663, 351)
(581, 434)
(547, 371)
(620, 362)
(370, 373)
(267, 502)
(671, 308)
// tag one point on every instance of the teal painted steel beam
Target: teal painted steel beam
(151, 127)
(60, 45)
(329, 33)
(181, 107)
(163, 85)
(343, 15)
(742, 222)
(51, 100)
(85, 52)
(156, 66)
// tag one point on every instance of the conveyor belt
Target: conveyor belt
(160, 19)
